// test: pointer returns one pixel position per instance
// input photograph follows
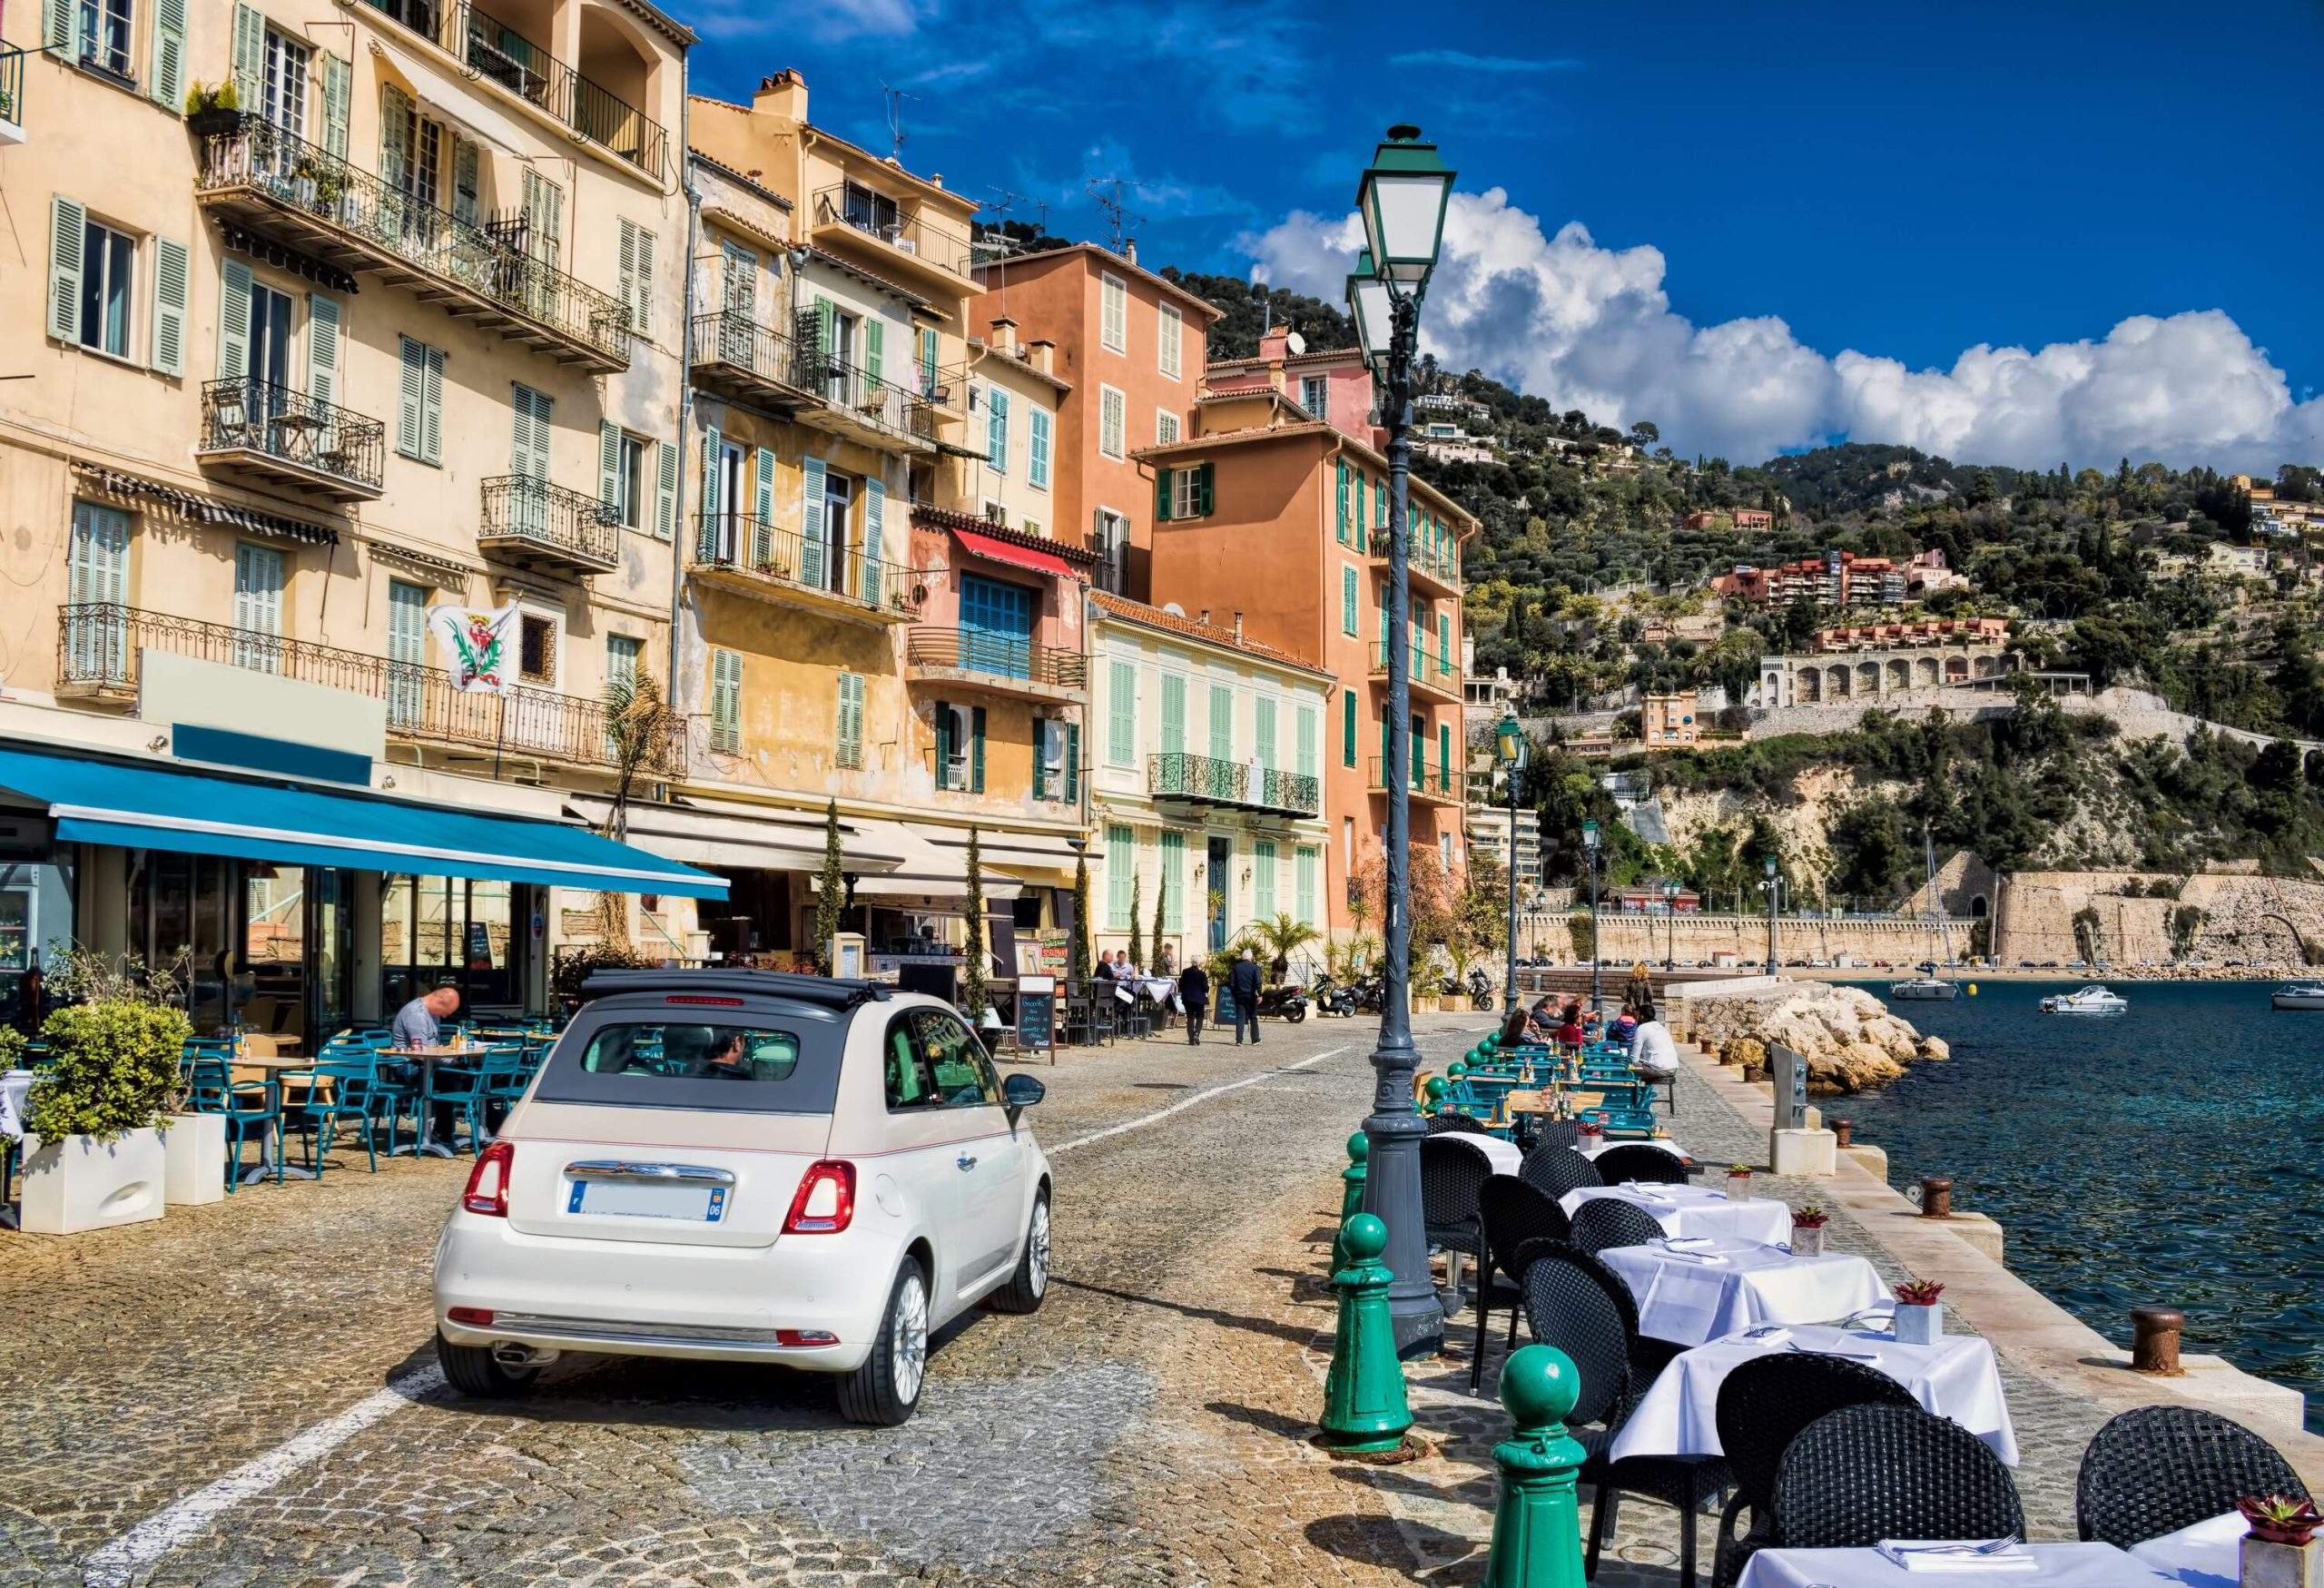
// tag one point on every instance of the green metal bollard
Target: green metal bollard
(1435, 1103)
(1359, 1152)
(1364, 1411)
(1536, 1522)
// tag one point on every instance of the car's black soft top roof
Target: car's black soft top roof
(824, 991)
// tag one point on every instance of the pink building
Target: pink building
(1331, 384)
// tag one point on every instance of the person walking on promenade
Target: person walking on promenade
(1194, 996)
(1242, 981)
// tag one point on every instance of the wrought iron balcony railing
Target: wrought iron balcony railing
(12, 90)
(1441, 782)
(878, 215)
(297, 429)
(99, 645)
(528, 517)
(872, 399)
(739, 543)
(729, 339)
(1430, 671)
(1441, 563)
(1172, 774)
(970, 650)
(493, 49)
(362, 219)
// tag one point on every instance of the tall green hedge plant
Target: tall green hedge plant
(114, 1069)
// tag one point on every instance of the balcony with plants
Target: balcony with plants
(301, 195)
(11, 94)
(532, 524)
(764, 562)
(734, 356)
(258, 431)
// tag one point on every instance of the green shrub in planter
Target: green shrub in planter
(12, 1047)
(115, 1069)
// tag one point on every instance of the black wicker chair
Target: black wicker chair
(1635, 1160)
(1556, 1133)
(1559, 1170)
(1519, 1219)
(1573, 1302)
(1442, 1124)
(2158, 1469)
(1763, 1404)
(1452, 1174)
(1609, 1221)
(1861, 1474)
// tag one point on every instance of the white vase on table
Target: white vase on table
(1919, 1323)
(2264, 1563)
(1738, 1188)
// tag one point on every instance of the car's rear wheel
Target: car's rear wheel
(1030, 1282)
(473, 1370)
(886, 1387)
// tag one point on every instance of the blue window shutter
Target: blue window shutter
(943, 744)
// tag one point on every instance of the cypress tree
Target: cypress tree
(1161, 892)
(1078, 964)
(1136, 903)
(972, 978)
(833, 885)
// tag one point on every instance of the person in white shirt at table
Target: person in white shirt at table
(1652, 1052)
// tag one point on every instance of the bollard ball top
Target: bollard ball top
(1435, 1088)
(1456, 1070)
(1359, 1147)
(1540, 1385)
(1365, 1237)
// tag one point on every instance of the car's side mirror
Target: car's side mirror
(1021, 1092)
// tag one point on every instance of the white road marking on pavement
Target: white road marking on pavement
(117, 1563)
(1184, 1103)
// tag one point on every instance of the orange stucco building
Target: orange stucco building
(1131, 345)
(1274, 523)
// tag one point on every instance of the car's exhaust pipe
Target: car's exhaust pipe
(517, 1357)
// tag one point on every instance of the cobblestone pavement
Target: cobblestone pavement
(1149, 1425)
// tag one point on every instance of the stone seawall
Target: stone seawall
(1629, 938)
(2261, 920)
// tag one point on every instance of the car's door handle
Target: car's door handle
(965, 1162)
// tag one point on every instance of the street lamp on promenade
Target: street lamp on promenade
(1589, 842)
(1670, 927)
(1515, 754)
(1770, 887)
(1401, 199)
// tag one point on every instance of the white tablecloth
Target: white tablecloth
(1953, 1379)
(13, 1085)
(2060, 1565)
(1683, 1297)
(1503, 1156)
(1697, 1210)
(2206, 1556)
(1664, 1143)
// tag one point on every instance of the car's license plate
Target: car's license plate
(646, 1199)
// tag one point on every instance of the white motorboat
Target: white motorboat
(2091, 1000)
(2298, 995)
(1928, 987)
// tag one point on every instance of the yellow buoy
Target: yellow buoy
(1972, 990)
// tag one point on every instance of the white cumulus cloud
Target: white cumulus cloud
(1592, 328)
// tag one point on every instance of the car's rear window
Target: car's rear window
(765, 1060)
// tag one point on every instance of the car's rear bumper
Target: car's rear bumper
(643, 1299)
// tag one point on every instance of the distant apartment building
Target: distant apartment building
(1331, 384)
(2271, 515)
(1877, 662)
(1715, 519)
(1669, 722)
(1891, 636)
(1838, 579)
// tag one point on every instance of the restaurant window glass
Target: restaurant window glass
(457, 929)
(36, 893)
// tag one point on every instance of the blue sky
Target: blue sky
(1903, 181)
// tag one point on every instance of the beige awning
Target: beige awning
(732, 835)
(1039, 858)
(928, 869)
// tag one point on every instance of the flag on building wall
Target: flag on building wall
(476, 645)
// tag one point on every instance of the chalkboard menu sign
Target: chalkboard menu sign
(1037, 1014)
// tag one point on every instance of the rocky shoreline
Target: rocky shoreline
(1850, 1041)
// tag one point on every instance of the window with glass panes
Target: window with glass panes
(1112, 419)
(1113, 325)
(1170, 335)
(108, 273)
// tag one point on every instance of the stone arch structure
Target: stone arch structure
(1957, 669)
(1839, 681)
(1926, 672)
(1867, 678)
(1986, 668)
(1900, 675)
(1811, 685)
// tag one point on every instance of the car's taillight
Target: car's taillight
(825, 1200)
(487, 1191)
(475, 1317)
(805, 1338)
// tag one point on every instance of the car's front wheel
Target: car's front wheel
(1030, 1282)
(886, 1388)
(474, 1370)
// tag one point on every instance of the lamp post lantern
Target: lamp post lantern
(1403, 198)
(1589, 842)
(1771, 887)
(1515, 754)
(1670, 927)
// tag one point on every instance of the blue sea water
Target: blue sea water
(2173, 1155)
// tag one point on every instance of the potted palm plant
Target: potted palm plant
(1918, 1320)
(93, 1121)
(2281, 1551)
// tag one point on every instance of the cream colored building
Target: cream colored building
(1205, 779)
(402, 331)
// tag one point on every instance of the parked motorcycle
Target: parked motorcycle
(1480, 989)
(1331, 998)
(1371, 994)
(1289, 1002)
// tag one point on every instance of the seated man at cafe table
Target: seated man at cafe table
(418, 1024)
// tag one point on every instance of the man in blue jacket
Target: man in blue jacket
(1242, 981)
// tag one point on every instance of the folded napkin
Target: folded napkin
(1707, 1259)
(1922, 1555)
(1768, 1334)
(1686, 1242)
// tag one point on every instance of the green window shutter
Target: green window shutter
(1263, 878)
(1221, 723)
(996, 430)
(1444, 642)
(642, 320)
(431, 410)
(825, 314)
(1174, 881)
(1174, 714)
(714, 447)
(726, 700)
(1161, 496)
(68, 232)
(338, 95)
(763, 537)
(412, 384)
(1263, 730)
(59, 25)
(944, 745)
(1379, 505)
(1309, 731)
(466, 185)
(1304, 882)
(250, 54)
(1444, 755)
(168, 84)
(1347, 600)
(233, 320)
(626, 269)
(172, 282)
(875, 348)
(976, 751)
(665, 493)
(322, 347)
(1419, 742)
(1038, 468)
(608, 463)
(851, 719)
(1203, 500)
(1073, 763)
(1121, 714)
(810, 517)
(1118, 860)
(875, 512)
(1347, 727)
(1343, 501)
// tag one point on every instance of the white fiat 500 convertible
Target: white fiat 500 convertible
(747, 1165)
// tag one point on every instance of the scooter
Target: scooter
(1331, 998)
(1288, 1001)
(1479, 990)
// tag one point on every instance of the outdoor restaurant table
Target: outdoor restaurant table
(1697, 1210)
(1664, 1143)
(428, 1058)
(2206, 1556)
(1503, 1156)
(14, 1085)
(1957, 1378)
(274, 1066)
(2057, 1566)
(1160, 989)
(1688, 1298)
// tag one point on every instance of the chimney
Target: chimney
(1206, 618)
(1043, 352)
(783, 93)
(1004, 336)
(1274, 346)
(1238, 628)
(1130, 249)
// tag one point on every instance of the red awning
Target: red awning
(1023, 556)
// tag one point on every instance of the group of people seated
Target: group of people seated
(1636, 1030)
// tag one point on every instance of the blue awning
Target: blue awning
(99, 800)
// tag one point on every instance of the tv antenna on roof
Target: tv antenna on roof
(994, 240)
(1119, 222)
(895, 98)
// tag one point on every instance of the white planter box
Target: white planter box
(1919, 1325)
(80, 1183)
(195, 1148)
